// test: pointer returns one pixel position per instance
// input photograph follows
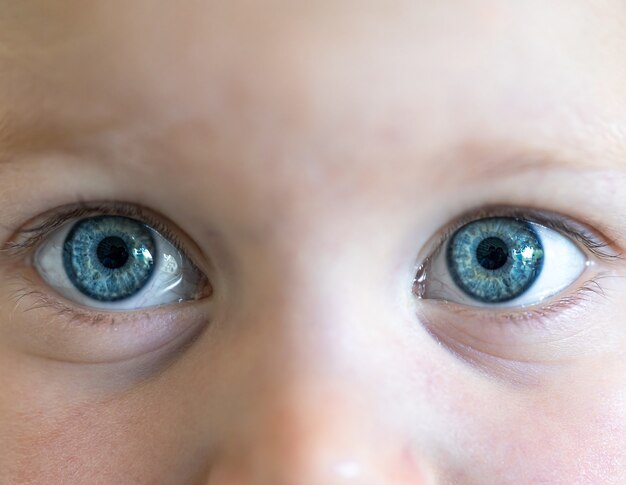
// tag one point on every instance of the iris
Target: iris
(495, 260)
(109, 258)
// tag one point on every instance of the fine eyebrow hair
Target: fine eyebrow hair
(30, 136)
(4, 130)
(526, 161)
(464, 161)
(6, 143)
(485, 161)
(468, 163)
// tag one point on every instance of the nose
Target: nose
(320, 402)
(323, 388)
(328, 437)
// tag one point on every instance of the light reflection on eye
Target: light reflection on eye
(502, 262)
(116, 263)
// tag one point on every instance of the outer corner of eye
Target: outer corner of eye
(116, 263)
(502, 261)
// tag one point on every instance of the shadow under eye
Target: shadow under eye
(55, 330)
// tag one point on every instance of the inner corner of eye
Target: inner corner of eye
(116, 262)
(420, 279)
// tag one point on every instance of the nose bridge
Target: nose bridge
(320, 329)
(319, 407)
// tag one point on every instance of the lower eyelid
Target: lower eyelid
(42, 323)
(45, 326)
(515, 334)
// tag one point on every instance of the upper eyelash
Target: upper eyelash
(27, 239)
(35, 234)
(599, 247)
(32, 236)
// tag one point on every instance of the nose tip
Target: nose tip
(320, 442)
(288, 470)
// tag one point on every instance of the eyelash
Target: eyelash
(76, 315)
(35, 234)
(599, 247)
(602, 248)
(538, 317)
(32, 236)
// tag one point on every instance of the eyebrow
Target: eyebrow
(4, 130)
(30, 136)
(6, 143)
(481, 160)
(484, 161)
(9, 137)
(482, 164)
(526, 162)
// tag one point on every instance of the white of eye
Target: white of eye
(175, 278)
(563, 264)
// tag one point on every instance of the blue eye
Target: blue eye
(502, 261)
(495, 260)
(117, 263)
(109, 258)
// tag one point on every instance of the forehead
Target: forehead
(334, 83)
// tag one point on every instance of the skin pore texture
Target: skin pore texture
(308, 156)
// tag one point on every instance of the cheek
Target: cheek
(89, 443)
(71, 443)
(559, 436)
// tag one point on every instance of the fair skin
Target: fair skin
(308, 156)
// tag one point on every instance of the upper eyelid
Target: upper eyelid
(33, 234)
(593, 240)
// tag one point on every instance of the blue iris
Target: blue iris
(109, 258)
(496, 259)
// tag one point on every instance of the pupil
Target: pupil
(492, 253)
(112, 252)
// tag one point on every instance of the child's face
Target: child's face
(311, 159)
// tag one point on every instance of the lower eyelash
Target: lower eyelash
(541, 317)
(36, 299)
(28, 295)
